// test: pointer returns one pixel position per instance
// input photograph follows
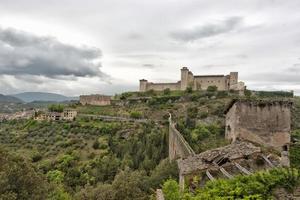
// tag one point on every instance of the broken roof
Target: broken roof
(206, 159)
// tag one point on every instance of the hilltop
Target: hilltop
(43, 96)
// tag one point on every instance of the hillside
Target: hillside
(94, 159)
(9, 99)
(42, 96)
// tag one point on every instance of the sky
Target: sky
(105, 46)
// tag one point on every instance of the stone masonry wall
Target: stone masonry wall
(99, 100)
(202, 82)
(162, 86)
(268, 125)
(178, 147)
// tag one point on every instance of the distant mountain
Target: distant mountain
(9, 99)
(43, 96)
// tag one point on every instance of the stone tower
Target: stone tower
(184, 78)
(233, 78)
(143, 85)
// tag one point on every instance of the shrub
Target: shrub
(96, 144)
(135, 115)
(294, 155)
(167, 91)
(247, 93)
(171, 190)
(212, 88)
(189, 90)
(203, 115)
(150, 92)
(36, 157)
(222, 94)
(55, 176)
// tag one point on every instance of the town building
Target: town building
(67, 114)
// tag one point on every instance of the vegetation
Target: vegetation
(18, 178)
(56, 108)
(93, 159)
(274, 94)
(85, 155)
(260, 185)
(212, 88)
(136, 115)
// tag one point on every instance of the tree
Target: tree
(56, 108)
(163, 171)
(100, 192)
(129, 185)
(18, 179)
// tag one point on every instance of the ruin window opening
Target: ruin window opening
(246, 157)
(228, 128)
(285, 148)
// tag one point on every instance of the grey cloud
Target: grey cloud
(22, 53)
(218, 66)
(275, 77)
(294, 68)
(208, 30)
(135, 36)
(148, 65)
(242, 56)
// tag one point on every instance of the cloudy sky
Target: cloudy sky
(105, 46)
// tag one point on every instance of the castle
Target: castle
(222, 82)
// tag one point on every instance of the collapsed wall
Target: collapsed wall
(263, 122)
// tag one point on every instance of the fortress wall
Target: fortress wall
(203, 82)
(163, 86)
(268, 125)
(98, 100)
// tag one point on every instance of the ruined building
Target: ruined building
(95, 99)
(267, 123)
(250, 124)
(223, 82)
